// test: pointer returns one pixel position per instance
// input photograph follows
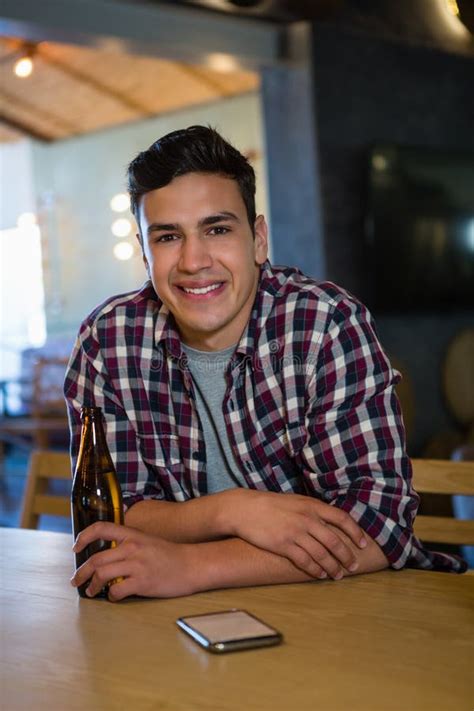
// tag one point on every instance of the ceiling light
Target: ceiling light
(23, 67)
(123, 251)
(222, 62)
(121, 227)
(120, 202)
(379, 162)
(452, 7)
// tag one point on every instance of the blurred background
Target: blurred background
(358, 117)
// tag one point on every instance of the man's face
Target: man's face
(202, 257)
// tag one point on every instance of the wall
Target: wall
(75, 180)
(367, 91)
(21, 310)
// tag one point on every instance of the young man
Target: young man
(250, 411)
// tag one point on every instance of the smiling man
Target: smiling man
(250, 411)
(203, 260)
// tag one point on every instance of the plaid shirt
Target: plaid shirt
(310, 406)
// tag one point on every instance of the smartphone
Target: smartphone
(229, 631)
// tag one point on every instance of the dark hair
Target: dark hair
(197, 149)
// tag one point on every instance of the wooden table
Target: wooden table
(390, 641)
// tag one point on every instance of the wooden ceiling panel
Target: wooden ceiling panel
(76, 90)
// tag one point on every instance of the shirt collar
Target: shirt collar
(263, 304)
(165, 330)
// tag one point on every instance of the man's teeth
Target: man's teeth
(203, 290)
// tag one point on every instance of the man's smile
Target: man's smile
(202, 290)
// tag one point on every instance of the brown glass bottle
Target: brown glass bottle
(96, 493)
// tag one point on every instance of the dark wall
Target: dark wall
(369, 91)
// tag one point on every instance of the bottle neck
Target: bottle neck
(94, 457)
(93, 430)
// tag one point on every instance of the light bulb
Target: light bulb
(453, 7)
(121, 227)
(123, 251)
(23, 67)
(120, 202)
(220, 62)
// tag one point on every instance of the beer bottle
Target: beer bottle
(96, 493)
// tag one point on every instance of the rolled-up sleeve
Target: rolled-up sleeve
(354, 457)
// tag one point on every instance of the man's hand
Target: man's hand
(149, 566)
(300, 528)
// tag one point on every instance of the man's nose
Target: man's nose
(194, 255)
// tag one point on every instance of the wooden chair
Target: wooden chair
(45, 466)
(437, 476)
(48, 415)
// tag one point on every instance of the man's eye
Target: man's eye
(166, 238)
(219, 230)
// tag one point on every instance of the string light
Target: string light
(23, 67)
(121, 227)
(120, 202)
(123, 251)
(222, 62)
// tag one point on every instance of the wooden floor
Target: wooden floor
(12, 483)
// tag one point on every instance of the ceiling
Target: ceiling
(76, 89)
(80, 88)
(294, 10)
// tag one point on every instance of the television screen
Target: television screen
(420, 229)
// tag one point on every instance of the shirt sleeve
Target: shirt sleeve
(89, 384)
(354, 457)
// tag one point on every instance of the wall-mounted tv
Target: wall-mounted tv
(420, 230)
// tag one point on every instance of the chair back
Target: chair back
(44, 466)
(48, 378)
(438, 476)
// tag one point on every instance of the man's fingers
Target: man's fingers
(346, 523)
(337, 548)
(124, 588)
(104, 575)
(320, 555)
(300, 557)
(101, 530)
(96, 561)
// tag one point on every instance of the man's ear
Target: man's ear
(260, 240)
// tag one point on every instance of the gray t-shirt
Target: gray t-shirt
(208, 373)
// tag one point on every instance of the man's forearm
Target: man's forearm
(236, 563)
(211, 518)
(198, 520)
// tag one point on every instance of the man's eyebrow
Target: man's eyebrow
(204, 222)
(218, 217)
(161, 227)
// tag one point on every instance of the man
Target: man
(250, 411)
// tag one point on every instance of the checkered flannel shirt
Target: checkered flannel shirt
(310, 406)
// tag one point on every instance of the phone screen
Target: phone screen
(229, 629)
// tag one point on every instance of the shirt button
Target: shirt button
(196, 455)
